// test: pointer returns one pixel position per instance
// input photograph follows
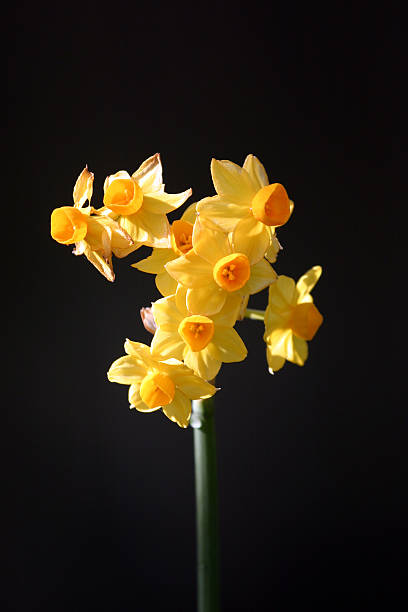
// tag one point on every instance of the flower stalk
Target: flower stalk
(202, 421)
(255, 314)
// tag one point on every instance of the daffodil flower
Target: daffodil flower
(140, 204)
(154, 385)
(247, 205)
(94, 236)
(291, 319)
(213, 270)
(181, 243)
(204, 343)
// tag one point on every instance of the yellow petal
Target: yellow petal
(190, 213)
(306, 282)
(275, 362)
(300, 350)
(164, 203)
(256, 171)
(203, 363)
(119, 238)
(134, 395)
(210, 244)
(149, 174)
(104, 266)
(191, 270)
(252, 238)
(83, 188)
(222, 211)
(179, 410)
(167, 344)
(262, 275)
(278, 340)
(275, 319)
(165, 283)
(284, 343)
(165, 312)
(282, 293)
(207, 300)
(231, 179)
(133, 226)
(157, 228)
(126, 371)
(142, 407)
(274, 248)
(181, 298)
(140, 351)
(229, 344)
(192, 385)
(100, 240)
(242, 307)
(154, 264)
(229, 313)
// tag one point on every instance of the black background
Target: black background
(312, 461)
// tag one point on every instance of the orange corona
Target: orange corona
(305, 320)
(68, 225)
(197, 331)
(157, 389)
(232, 272)
(181, 236)
(271, 205)
(123, 196)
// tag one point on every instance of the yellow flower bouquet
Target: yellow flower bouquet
(206, 264)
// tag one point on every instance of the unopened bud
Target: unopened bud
(148, 321)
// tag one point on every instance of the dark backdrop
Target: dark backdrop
(311, 460)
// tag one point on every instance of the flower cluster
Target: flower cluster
(206, 264)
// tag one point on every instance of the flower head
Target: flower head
(140, 204)
(203, 342)
(154, 384)
(247, 205)
(291, 319)
(214, 270)
(94, 236)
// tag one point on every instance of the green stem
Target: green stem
(254, 313)
(202, 421)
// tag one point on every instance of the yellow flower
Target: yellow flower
(202, 342)
(181, 243)
(247, 205)
(213, 270)
(94, 236)
(154, 385)
(141, 204)
(291, 319)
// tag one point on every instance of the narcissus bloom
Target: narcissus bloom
(213, 270)
(291, 319)
(181, 243)
(140, 204)
(154, 385)
(94, 236)
(203, 342)
(247, 205)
